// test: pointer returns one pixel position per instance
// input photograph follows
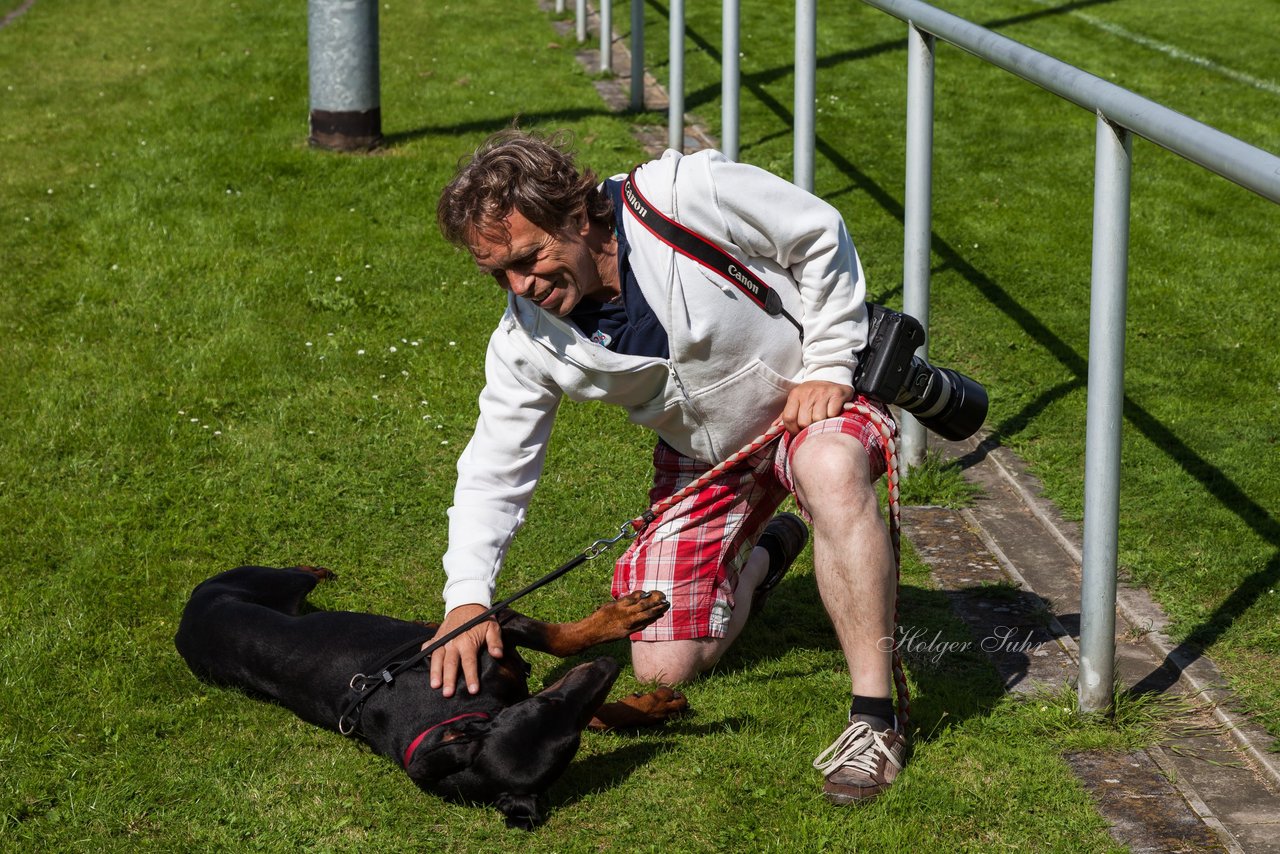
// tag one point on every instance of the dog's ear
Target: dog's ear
(455, 751)
(521, 810)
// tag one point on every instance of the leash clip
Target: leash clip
(625, 532)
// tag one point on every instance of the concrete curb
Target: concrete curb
(1215, 767)
(1133, 604)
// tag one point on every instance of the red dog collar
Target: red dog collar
(413, 745)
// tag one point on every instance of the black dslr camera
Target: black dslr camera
(946, 401)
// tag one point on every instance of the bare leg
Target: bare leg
(675, 662)
(852, 555)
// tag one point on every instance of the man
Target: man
(599, 308)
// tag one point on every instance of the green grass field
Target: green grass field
(222, 347)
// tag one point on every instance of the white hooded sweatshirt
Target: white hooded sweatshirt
(731, 365)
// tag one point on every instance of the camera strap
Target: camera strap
(696, 247)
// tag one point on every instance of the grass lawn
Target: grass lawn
(222, 347)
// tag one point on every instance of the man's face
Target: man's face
(553, 271)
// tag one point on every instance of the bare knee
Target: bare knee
(674, 662)
(833, 479)
(835, 456)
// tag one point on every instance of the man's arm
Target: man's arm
(497, 473)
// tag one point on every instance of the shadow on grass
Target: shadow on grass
(1204, 635)
(600, 772)
(554, 118)
(948, 688)
(952, 679)
(591, 774)
(1215, 482)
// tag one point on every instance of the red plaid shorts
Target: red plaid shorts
(694, 550)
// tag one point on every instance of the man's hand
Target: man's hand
(464, 650)
(813, 401)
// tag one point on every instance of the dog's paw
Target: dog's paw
(319, 572)
(641, 710)
(660, 704)
(637, 610)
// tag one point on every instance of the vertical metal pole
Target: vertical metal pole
(637, 55)
(730, 77)
(918, 215)
(675, 87)
(1104, 416)
(559, 7)
(806, 90)
(580, 17)
(342, 60)
(606, 36)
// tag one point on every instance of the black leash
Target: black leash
(364, 685)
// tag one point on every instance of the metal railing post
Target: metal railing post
(637, 55)
(917, 216)
(806, 90)
(730, 77)
(559, 7)
(342, 65)
(675, 86)
(580, 19)
(606, 36)
(1105, 414)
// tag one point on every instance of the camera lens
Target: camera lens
(945, 401)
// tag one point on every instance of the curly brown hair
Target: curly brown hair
(517, 170)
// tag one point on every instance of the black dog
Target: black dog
(244, 628)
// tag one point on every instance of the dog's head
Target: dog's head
(511, 758)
